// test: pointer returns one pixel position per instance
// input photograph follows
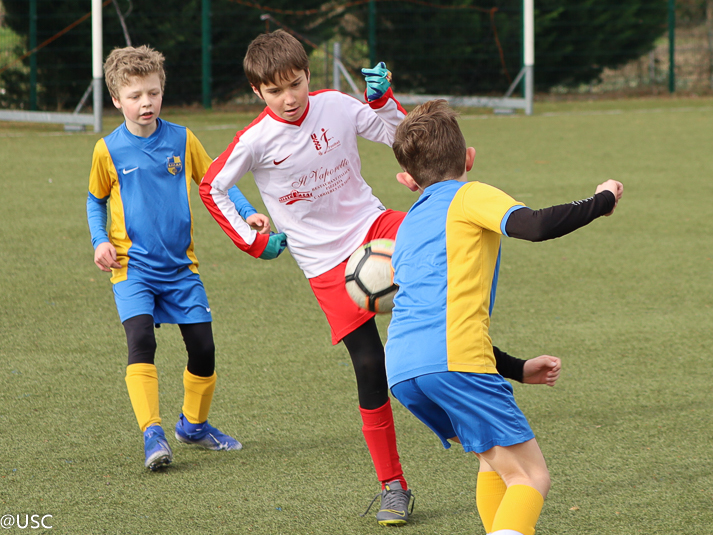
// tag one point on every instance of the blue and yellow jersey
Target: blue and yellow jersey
(147, 184)
(446, 264)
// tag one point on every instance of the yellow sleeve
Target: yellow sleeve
(486, 205)
(100, 177)
(197, 159)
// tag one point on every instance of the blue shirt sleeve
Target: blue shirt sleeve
(242, 205)
(504, 222)
(96, 216)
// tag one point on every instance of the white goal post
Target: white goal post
(506, 103)
(76, 120)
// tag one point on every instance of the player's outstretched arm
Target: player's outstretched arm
(556, 221)
(542, 370)
(378, 81)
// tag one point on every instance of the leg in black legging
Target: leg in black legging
(198, 338)
(367, 354)
(199, 377)
(141, 375)
(140, 339)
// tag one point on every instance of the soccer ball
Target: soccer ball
(370, 277)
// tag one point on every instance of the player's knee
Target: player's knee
(537, 477)
(368, 367)
(202, 350)
(140, 339)
(201, 358)
(542, 482)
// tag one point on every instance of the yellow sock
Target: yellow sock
(519, 510)
(489, 492)
(198, 395)
(142, 382)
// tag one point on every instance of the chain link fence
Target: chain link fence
(650, 73)
(442, 48)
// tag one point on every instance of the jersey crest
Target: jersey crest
(174, 165)
(323, 143)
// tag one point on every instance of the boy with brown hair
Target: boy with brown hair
(144, 171)
(440, 360)
(302, 151)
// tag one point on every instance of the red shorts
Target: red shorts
(342, 313)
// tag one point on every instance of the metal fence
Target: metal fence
(650, 74)
(466, 48)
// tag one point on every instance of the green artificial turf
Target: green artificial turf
(625, 302)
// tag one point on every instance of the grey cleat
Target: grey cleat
(396, 505)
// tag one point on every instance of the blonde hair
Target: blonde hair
(429, 144)
(273, 56)
(122, 64)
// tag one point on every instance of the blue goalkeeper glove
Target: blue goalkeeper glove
(378, 81)
(275, 245)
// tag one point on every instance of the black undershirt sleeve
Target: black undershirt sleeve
(556, 221)
(508, 366)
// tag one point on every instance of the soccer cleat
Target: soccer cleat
(158, 452)
(204, 435)
(396, 504)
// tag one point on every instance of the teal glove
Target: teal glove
(275, 245)
(378, 81)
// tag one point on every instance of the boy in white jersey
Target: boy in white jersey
(144, 170)
(302, 151)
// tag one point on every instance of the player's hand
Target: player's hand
(617, 188)
(105, 257)
(378, 81)
(542, 370)
(276, 243)
(259, 222)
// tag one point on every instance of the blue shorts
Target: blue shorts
(478, 408)
(182, 301)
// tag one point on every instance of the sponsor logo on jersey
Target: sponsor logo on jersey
(323, 143)
(127, 171)
(276, 162)
(174, 165)
(294, 196)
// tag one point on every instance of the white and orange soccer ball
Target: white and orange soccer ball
(369, 276)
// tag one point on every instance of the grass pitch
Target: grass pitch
(625, 302)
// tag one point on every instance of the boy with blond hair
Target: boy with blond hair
(440, 360)
(143, 169)
(302, 151)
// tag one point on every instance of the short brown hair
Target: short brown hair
(272, 56)
(122, 64)
(429, 144)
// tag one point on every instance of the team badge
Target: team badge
(323, 143)
(174, 165)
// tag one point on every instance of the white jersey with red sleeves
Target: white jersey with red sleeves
(309, 175)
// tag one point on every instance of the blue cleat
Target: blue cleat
(205, 436)
(158, 452)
